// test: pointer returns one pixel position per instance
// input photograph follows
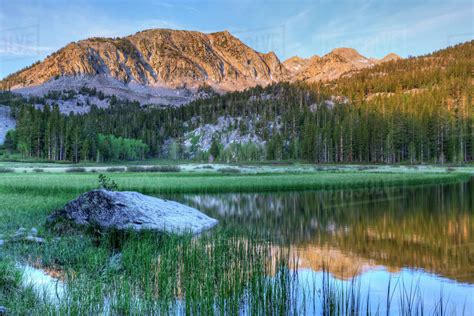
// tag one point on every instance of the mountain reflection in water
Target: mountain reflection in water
(352, 231)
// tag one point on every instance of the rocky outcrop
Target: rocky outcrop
(132, 210)
(333, 65)
(6, 122)
(339, 62)
(296, 64)
(389, 57)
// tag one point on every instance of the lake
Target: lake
(416, 241)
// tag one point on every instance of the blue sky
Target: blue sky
(32, 29)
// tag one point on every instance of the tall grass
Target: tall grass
(222, 273)
(155, 183)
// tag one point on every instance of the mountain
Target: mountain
(389, 57)
(333, 65)
(339, 62)
(163, 66)
(153, 62)
(296, 64)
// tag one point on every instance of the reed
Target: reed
(156, 183)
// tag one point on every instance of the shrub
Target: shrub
(229, 170)
(153, 169)
(38, 170)
(76, 170)
(107, 183)
(6, 170)
(115, 169)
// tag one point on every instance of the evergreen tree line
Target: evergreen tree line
(414, 128)
(48, 134)
(417, 110)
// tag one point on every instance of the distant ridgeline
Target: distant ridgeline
(416, 110)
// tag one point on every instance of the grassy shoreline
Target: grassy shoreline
(155, 183)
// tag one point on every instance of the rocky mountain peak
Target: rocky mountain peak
(296, 64)
(158, 58)
(158, 62)
(390, 57)
(348, 53)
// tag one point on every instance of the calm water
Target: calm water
(418, 238)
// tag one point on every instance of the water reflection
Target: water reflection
(427, 227)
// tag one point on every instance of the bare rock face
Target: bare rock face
(164, 66)
(133, 210)
(158, 58)
(6, 122)
(389, 57)
(339, 62)
(296, 64)
(333, 65)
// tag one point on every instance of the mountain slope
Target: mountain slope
(297, 64)
(389, 57)
(339, 62)
(164, 66)
(333, 65)
(158, 58)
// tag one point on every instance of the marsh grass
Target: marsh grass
(157, 183)
(157, 273)
(221, 272)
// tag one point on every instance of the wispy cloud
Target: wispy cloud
(177, 5)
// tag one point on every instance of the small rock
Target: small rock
(2, 242)
(34, 239)
(3, 310)
(34, 231)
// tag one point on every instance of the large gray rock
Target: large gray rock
(133, 210)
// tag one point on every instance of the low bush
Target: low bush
(153, 169)
(229, 170)
(76, 170)
(115, 169)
